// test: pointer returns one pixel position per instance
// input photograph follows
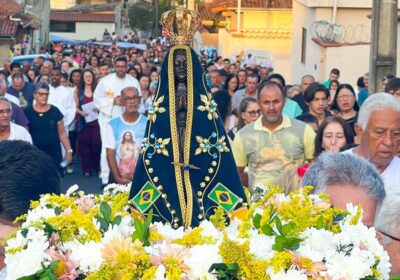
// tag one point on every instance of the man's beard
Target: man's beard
(121, 76)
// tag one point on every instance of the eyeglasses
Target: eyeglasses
(42, 94)
(131, 99)
(254, 112)
(390, 236)
(5, 112)
(343, 97)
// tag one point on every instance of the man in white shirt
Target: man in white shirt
(107, 98)
(378, 128)
(62, 98)
(9, 130)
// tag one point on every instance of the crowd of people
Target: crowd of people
(93, 104)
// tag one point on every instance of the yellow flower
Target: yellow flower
(193, 238)
(281, 260)
(68, 226)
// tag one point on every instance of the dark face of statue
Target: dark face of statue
(180, 66)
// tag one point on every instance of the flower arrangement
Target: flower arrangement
(299, 236)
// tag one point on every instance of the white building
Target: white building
(81, 26)
(331, 34)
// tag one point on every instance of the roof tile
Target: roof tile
(10, 7)
(8, 27)
(80, 17)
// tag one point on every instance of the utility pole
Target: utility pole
(157, 19)
(383, 43)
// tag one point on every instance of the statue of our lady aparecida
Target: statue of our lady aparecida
(186, 168)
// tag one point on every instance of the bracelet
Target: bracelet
(70, 151)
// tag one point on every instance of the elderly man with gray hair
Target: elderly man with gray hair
(378, 128)
(347, 179)
(387, 223)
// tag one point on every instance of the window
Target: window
(68, 27)
(303, 45)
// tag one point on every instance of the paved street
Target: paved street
(90, 184)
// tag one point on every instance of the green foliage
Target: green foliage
(283, 238)
(141, 16)
(142, 230)
(105, 218)
(46, 273)
(224, 271)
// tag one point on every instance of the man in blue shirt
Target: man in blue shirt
(21, 90)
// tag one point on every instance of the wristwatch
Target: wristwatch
(70, 151)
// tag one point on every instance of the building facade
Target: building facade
(331, 34)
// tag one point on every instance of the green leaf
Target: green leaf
(287, 228)
(24, 232)
(48, 229)
(267, 230)
(103, 223)
(292, 243)
(53, 265)
(149, 218)
(279, 243)
(116, 221)
(139, 231)
(320, 223)
(136, 236)
(224, 271)
(397, 277)
(278, 224)
(30, 277)
(57, 210)
(105, 209)
(257, 221)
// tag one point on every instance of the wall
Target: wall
(4, 52)
(266, 32)
(88, 30)
(353, 61)
(62, 4)
(303, 17)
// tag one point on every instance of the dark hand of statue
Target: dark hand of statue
(181, 95)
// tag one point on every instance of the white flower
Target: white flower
(114, 189)
(200, 260)
(353, 267)
(39, 214)
(88, 255)
(26, 262)
(71, 190)
(111, 233)
(160, 273)
(261, 245)
(233, 229)
(125, 227)
(210, 230)
(316, 244)
(168, 232)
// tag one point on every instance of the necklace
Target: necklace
(40, 113)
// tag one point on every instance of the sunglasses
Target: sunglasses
(254, 112)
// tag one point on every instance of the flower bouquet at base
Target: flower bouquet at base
(298, 236)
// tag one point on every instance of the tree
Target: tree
(141, 16)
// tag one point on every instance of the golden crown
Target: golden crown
(181, 24)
